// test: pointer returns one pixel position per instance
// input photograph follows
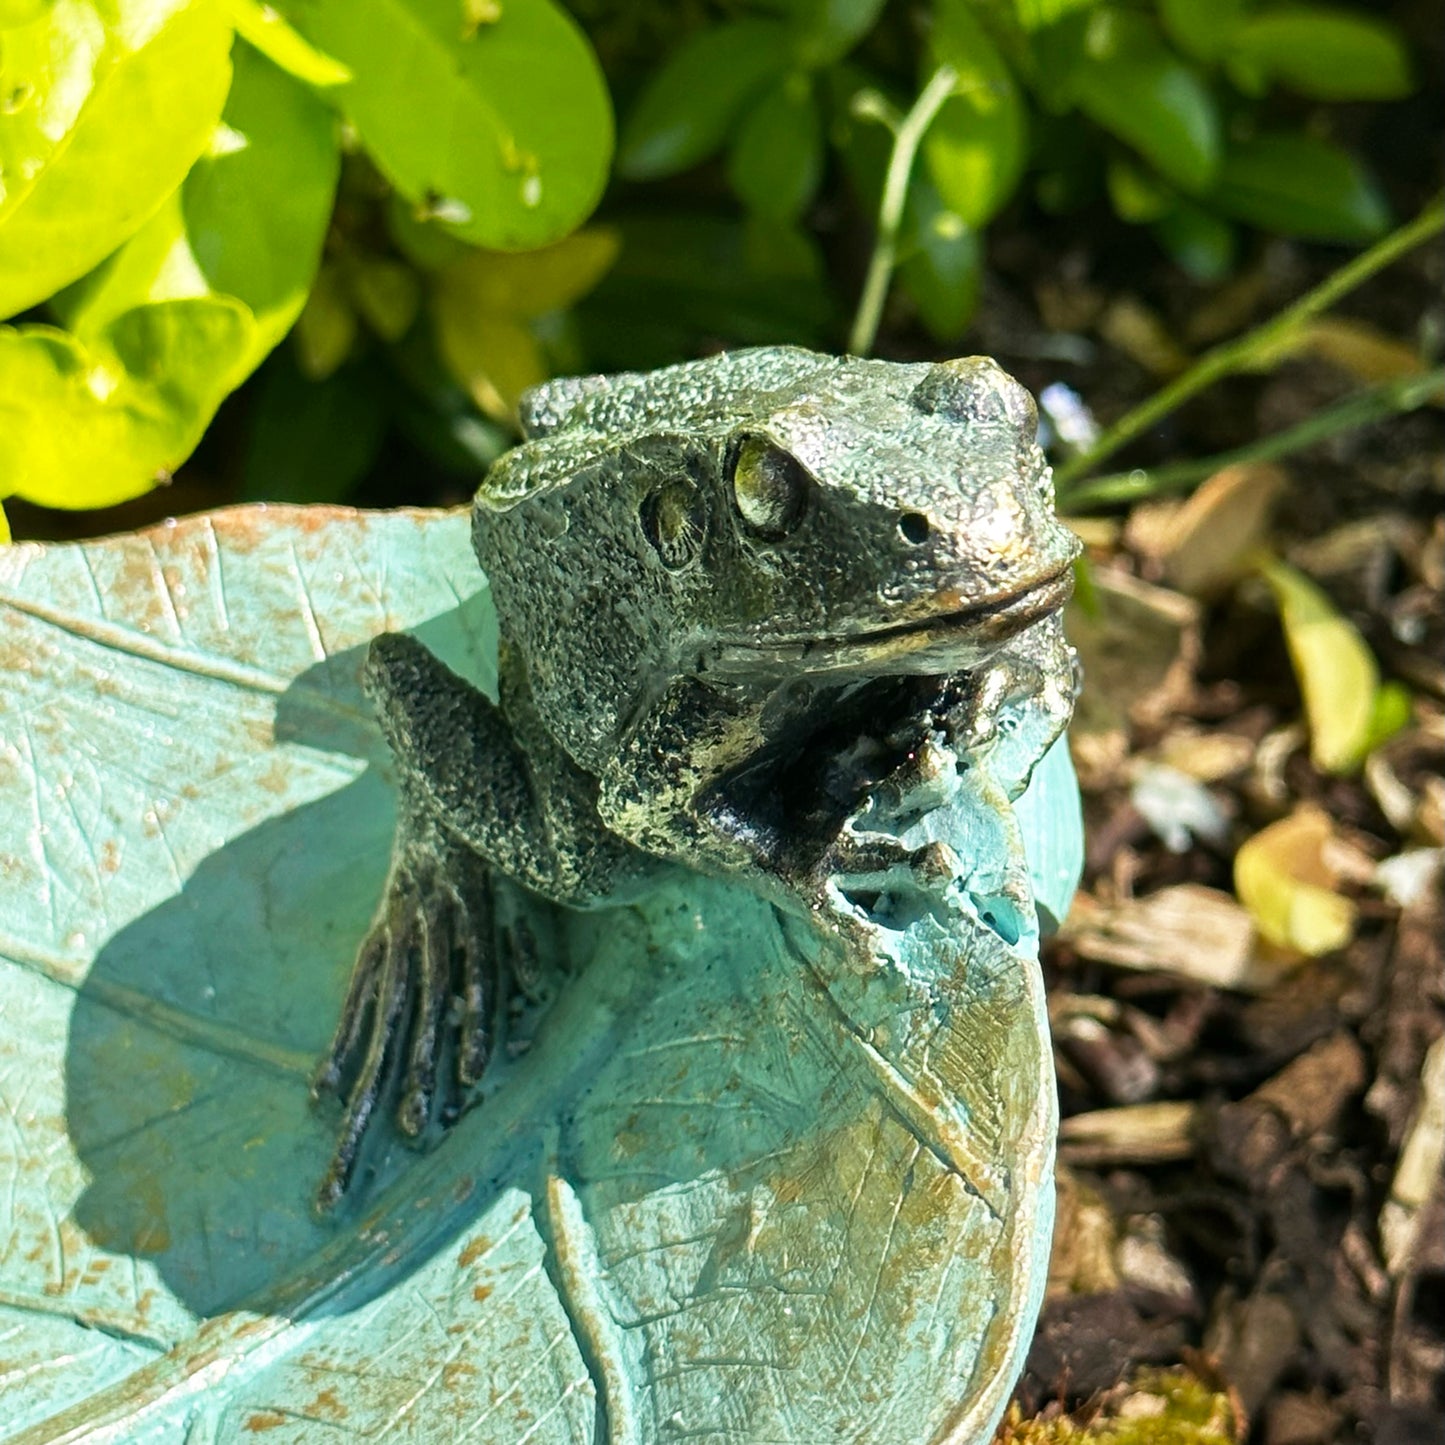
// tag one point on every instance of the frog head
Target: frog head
(760, 516)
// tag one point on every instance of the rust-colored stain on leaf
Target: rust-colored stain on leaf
(473, 1250)
(327, 1406)
(481, 1293)
(264, 1420)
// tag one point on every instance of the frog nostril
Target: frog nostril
(913, 528)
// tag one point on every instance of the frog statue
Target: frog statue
(735, 597)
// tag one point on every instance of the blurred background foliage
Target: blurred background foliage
(429, 203)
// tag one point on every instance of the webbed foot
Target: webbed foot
(421, 1012)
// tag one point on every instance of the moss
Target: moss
(1156, 1407)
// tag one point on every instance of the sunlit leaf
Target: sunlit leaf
(975, 147)
(240, 241)
(504, 129)
(1130, 83)
(248, 222)
(419, 237)
(108, 107)
(776, 160)
(942, 267)
(723, 1129)
(262, 25)
(1322, 52)
(90, 426)
(15, 13)
(1298, 185)
(692, 100)
(1283, 877)
(1335, 668)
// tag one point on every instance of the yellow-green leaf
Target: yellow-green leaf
(111, 105)
(494, 356)
(4, 527)
(248, 222)
(326, 328)
(504, 130)
(975, 149)
(1336, 670)
(530, 283)
(283, 46)
(20, 12)
(386, 293)
(1282, 876)
(90, 426)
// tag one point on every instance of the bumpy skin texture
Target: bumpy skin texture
(733, 595)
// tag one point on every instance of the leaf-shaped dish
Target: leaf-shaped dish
(748, 1184)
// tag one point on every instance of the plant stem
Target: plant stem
(1254, 347)
(1376, 402)
(906, 139)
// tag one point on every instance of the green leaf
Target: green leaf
(90, 426)
(312, 441)
(249, 221)
(14, 13)
(1333, 664)
(503, 130)
(386, 293)
(776, 160)
(1201, 244)
(682, 277)
(1202, 28)
(1137, 196)
(1323, 53)
(1036, 15)
(690, 103)
(226, 263)
(264, 28)
(942, 265)
(975, 148)
(1297, 185)
(824, 31)
(109, 107)
(1129, 83)
(722, 1129)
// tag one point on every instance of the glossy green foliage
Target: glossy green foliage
(168, 171)
(183, 312)
(107, 106)
(1302, 185)
(975, 148)
(502, 128)
(743, 1182)
(345, 170)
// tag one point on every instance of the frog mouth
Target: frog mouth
(942, 640)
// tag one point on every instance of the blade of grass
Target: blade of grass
(1252, 349)
(1373, 404)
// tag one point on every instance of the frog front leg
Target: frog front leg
(434, 974)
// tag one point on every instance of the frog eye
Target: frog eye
(769, 486)
(673, 521)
